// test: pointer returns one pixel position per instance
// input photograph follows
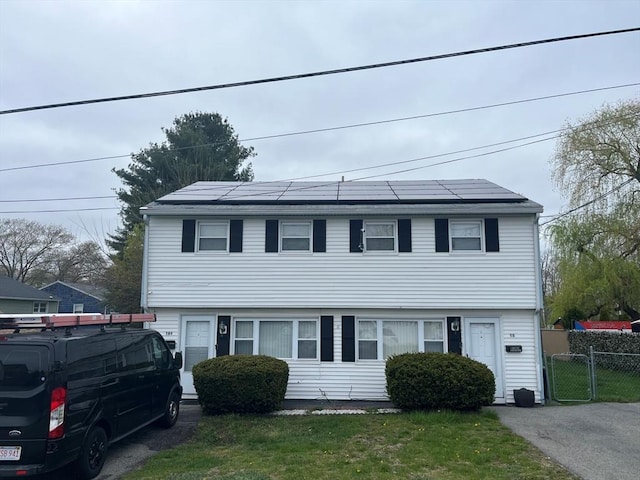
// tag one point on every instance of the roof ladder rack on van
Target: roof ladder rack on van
(53, 321)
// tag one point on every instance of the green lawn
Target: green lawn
(572, 382)
(411, 446)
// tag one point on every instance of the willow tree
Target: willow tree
(597, 167)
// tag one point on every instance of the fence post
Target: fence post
(592, 363)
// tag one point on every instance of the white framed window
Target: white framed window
(465, 235)
(40, 307)
(280, 338)
(213, 236)
(78, 308)
(295, 236)
(378, 339)
(379, 236)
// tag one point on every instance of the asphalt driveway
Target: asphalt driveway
(131, 452)
(596, 441)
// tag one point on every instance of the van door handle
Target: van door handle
(115, 381)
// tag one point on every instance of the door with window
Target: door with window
(482, 343)
(197, 345)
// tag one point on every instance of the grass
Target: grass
(572, 382)
(411, 446)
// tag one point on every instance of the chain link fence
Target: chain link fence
(616, 376)
(601, 376)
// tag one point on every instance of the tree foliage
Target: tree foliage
(82, 262)
(597, 166)
(38, 254)
(123, 277)
(199, 146)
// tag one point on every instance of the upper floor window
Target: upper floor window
(466, 235)
(295, 236)
(380, 339)
(213, 236)
(40, 307)
(379, 236)
(277, 338)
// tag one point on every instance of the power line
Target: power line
(579, 207)
(318, 73)
(341, 127)
(209, 189)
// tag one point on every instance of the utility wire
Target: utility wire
(319, 73)
(328, 129)
(207, 190)
(579, 207)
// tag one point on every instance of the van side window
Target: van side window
(161, 354)
(91, 358)
(138, 355)
(22, 366)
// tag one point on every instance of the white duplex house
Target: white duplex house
(335, 277)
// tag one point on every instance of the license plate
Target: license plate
(10, 453)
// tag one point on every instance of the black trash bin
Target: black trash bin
(524, 397)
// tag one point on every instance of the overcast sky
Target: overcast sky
(55, 51)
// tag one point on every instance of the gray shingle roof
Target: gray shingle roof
(91, 290)
(12, 289)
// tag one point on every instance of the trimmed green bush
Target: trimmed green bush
(240, 384)
(610, 342)
(429, 381)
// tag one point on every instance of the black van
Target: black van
(66, 395)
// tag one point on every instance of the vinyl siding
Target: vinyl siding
(340, 279)
(522, 370)
(339, 380)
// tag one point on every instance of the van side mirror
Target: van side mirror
(177, 360)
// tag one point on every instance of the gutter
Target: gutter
(539, 310)
(145, 265)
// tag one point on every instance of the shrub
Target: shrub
(241, 383)
(610, 342)
(427, 381)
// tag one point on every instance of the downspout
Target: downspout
(145, 265)
(539, 310)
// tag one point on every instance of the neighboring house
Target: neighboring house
(604, 325)
(16, 297)
(336, 277)
(77, 297)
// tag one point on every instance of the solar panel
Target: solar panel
(405, 191)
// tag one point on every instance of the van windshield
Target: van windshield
(22, 366)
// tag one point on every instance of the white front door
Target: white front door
(482, 344)
(197, 345)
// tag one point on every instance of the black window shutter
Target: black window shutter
(223, 335)
(355, 235)
(319, 235)
(326, 338)
(188, 235)
(235, 234)
(454, 335)
(348, 338)
(491, 238)
(442, 234)
(404, 234)
(271, 236)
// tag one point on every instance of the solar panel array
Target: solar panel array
(402, 191)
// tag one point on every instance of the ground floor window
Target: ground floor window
(378, 339)
(40, 307)
(277, 338)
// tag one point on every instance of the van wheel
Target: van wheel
(171, 411)
(93, 454)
